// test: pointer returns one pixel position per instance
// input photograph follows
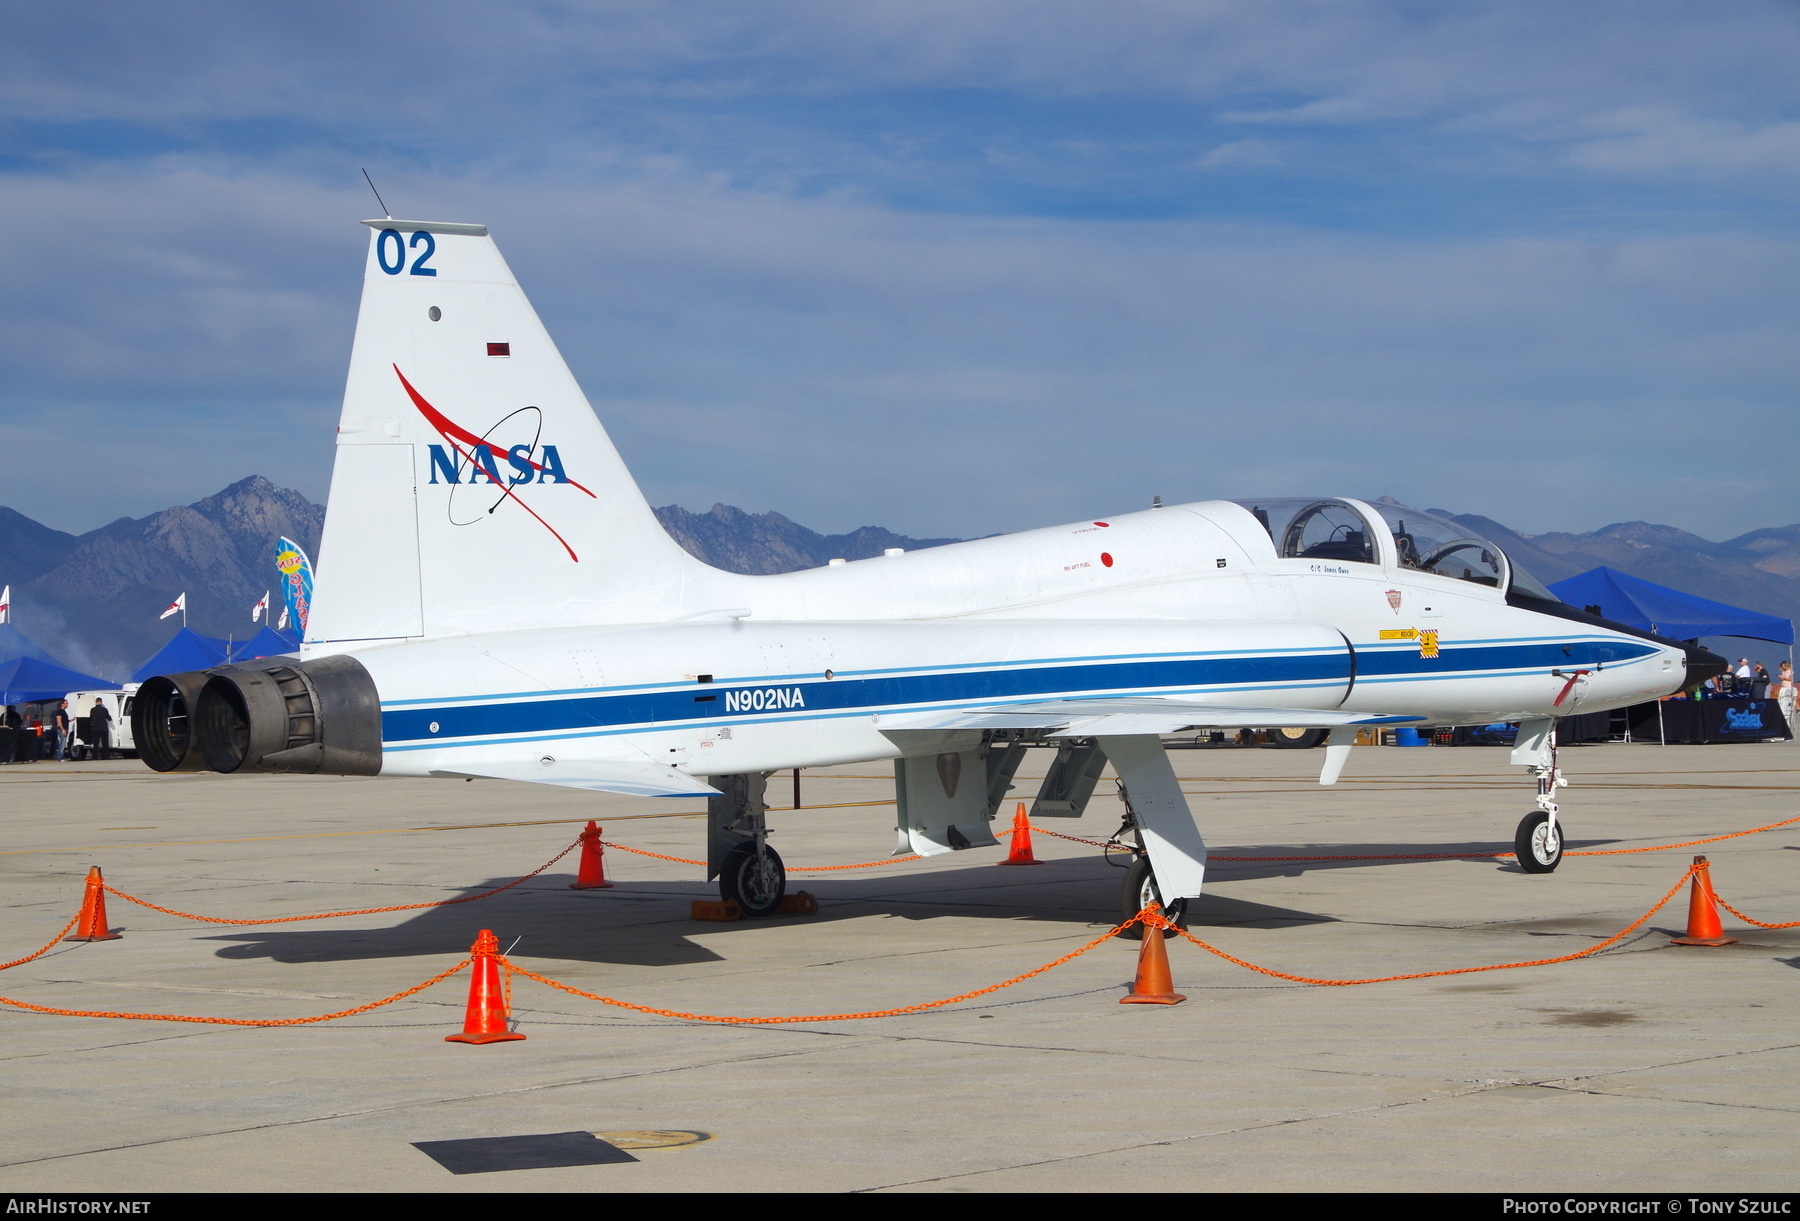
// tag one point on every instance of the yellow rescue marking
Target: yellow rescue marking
(1398, 633)
(639, 1140)
(1428, 646)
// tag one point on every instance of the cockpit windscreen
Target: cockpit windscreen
(1333, 530)
(1315, 530)
(1434, 544)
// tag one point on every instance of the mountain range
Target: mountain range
(93, 599)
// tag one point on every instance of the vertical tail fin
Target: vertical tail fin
(474, 489)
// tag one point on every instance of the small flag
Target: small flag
(179, 605)
(256, 612)
(282, 626)
(6, 605)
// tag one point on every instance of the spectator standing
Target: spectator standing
(1759, 686)
(59, 725)
(100, 725)
(1784, 691)
(1741, 688)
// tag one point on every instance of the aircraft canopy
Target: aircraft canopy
(1337, 530)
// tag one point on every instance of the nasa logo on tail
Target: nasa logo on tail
(507, 462)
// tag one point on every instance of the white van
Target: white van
(81, 703)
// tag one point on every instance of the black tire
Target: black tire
(755, 883)
(1296, 739)
(1531, 843)
(1138, 891)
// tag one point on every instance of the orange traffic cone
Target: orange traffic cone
(1021, 841)
(592, 873)
(485, 1021)
(1153, 986)
(92, 924)
(1703, 911)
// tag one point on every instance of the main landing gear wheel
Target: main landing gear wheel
(1139, 892)
(754, 880)
(1292, 738)
(1539, 846)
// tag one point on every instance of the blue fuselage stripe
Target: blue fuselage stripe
(814, 695)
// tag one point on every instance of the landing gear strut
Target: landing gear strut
(750, 872)
(1538, 843)
(1140, 891)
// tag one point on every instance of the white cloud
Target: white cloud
(715, 248)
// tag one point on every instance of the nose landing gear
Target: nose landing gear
(1538, 843)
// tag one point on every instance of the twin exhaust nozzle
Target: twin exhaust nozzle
(274, 715)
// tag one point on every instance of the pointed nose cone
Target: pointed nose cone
(1703, 664)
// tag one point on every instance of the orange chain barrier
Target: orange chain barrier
(1383, 979)
(439, 978)
(683, 860)
(817, 1017)
(359, 911)
(1148, 916)
(48, 946)
(1734, 911)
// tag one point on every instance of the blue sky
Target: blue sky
(952, 268)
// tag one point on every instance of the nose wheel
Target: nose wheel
(753, 878)
(1140, 891)
(1538, 843)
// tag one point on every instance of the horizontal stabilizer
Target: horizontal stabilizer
(1089, 718)
(605, 775)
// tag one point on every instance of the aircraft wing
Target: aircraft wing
(1091, 718)
(603, 775)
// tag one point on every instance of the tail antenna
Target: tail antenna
(378, 198)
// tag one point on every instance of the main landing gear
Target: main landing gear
(753, 878)
(750, 872)
(1139, 889)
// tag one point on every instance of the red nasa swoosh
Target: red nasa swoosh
(452, 432)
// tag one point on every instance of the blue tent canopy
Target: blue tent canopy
(1665, 611)
(28, 674)
(187, 650)
(266, 643)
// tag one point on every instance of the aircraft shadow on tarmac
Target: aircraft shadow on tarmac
(648, 924)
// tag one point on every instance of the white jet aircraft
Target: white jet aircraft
(496, 599)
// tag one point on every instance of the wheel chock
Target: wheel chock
(800, 903)
(723, 911)
(1703, 911)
